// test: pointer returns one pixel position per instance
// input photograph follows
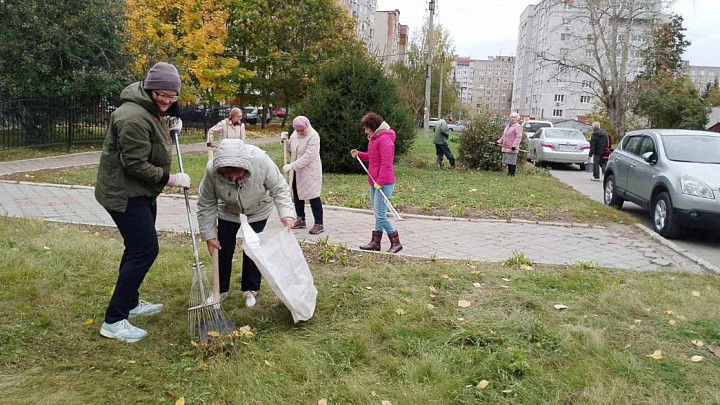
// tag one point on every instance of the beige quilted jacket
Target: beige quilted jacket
(306, 164)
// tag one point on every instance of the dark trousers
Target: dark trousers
(598, 163)
(511, 170)
(227, 237)
(315, 206)
(444, 150)
(137, 227)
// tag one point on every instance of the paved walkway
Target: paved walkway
(622, 247)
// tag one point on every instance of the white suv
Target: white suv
(531, 126)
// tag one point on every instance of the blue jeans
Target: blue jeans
(380, 208)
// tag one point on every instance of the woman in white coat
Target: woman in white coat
(305, 170)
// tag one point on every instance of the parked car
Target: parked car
(673, 173)
(558, 145)
(456, 127)
(433, 122)
(531, 126)
(253, 115)
(279, 112)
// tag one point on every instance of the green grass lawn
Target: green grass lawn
(385, 328)
(423, 189)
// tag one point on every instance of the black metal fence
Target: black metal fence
(38, 122)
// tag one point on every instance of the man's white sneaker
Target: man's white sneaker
(250, 299)
(145, 308)
(122, 330)
(211, 299)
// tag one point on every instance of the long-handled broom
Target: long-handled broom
(204, 314)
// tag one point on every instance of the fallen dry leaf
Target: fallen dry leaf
(433, 296)
(463, 303)
(657, 355)
(632, 326)
(525, 267)
(483, 384)
(672, 322)
(386, 402)
(696, 293)
(707, 287)
(670, 312)
(430, 306)
(477, 285)
(503, 286)
(213, 334)
(638, 321)
(400, 311)
(180, 401)
(267, 363)
(445, 276)
(131, 361)
(401, 289)
(505, 279)
(460, 319)
(433, 289)
(89, 321)
(46, 248)
(698, 343)
(322, 402)
(715, 350)
(559, 306)
(368, 288)
(472, 266)
(373, 394)
(506, 391)
(696, 359)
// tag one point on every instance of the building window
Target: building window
(557, 113)
(566, 21)
(564, 37)
(585, 99)
(589, 53)
(586, 83)
(563, 51)
(559, 98)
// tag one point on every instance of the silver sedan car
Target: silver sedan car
(673, 173)
(558, 145)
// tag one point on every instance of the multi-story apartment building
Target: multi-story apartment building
(701, 76)
(363, 11)
(554, 33)
(389, 40)
(485, 84)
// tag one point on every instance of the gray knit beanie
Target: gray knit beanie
(163, 76)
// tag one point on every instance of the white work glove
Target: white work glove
(283, 137)
(287, 168)
(175, 124)
(179, 180)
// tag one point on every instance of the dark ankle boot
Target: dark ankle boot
(395, 245)
(374, 242)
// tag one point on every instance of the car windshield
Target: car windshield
(694, 148)
(534, 126)
(563, 133)
(248, 110)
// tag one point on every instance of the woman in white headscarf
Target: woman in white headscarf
(510, 143)
(305, 169)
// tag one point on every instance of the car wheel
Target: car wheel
(610, 196)
(664, 221)
(451, 130)
(536, 162)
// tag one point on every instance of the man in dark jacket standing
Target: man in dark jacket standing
(599, 141)
(134, 169)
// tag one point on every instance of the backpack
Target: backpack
(608, 150)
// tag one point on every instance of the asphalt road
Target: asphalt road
(706, 245)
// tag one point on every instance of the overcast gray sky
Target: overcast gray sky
(481, 28)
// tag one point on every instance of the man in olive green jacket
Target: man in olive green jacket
(134, 169)
(442, 135)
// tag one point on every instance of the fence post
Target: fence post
(71, 125)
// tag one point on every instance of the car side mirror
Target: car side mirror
(650, 157)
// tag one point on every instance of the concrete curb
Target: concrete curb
(677, 249)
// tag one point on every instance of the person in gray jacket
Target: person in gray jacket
(241, 179)
(441, 143)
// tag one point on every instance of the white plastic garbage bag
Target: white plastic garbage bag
(281, 262)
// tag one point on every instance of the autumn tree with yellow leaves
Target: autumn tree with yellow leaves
(192, 35)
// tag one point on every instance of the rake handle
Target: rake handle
(387, 200)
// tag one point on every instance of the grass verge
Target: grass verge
(385, 328)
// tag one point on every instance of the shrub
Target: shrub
(346, 90)
(477, 149)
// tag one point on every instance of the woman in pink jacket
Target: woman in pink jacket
(380, 156)
(510, 142)
(305, 169)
